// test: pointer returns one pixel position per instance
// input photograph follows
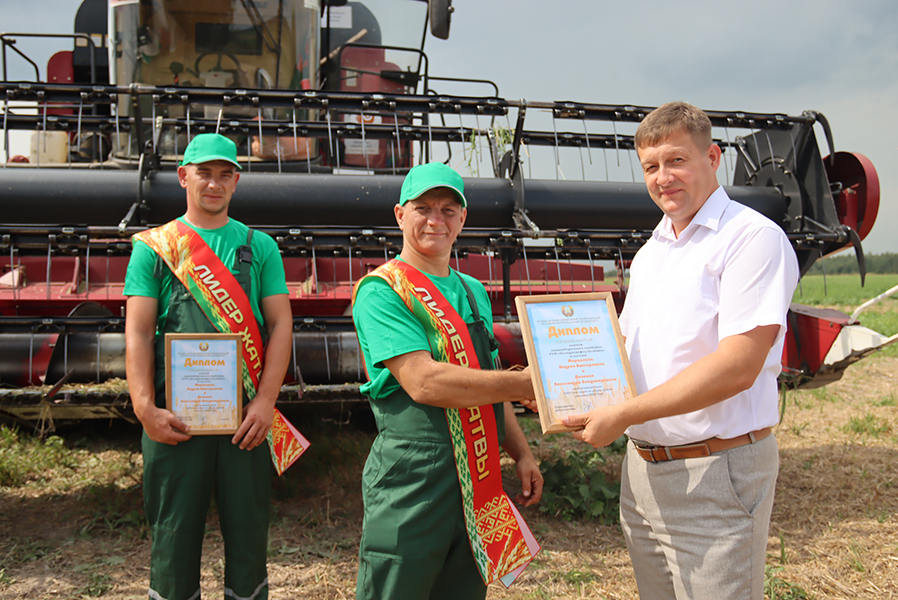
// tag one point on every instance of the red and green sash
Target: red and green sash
(228, 308)
(501, 542)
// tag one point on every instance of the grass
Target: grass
(887, 400)
(855, 559)
(113, 509)
(97, 582)
(576, 561)
(869, 425)
(776, 588)
(797, 428)
(576, 489)
(824, 395)
(24, 457)
(315, 524)
(842, 290)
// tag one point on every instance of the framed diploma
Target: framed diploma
(204, 381)
(576, 354)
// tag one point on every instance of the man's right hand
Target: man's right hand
(164, 427)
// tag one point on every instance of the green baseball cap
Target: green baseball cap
(428, 176)
(208, 147)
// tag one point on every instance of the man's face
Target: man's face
(431, 222)
(680, 176)
(209, 185)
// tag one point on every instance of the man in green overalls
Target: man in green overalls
(414, 541)
(181, 471)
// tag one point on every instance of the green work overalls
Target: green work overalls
(179, 480)
(414, 543)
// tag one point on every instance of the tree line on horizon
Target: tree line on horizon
(847, 263)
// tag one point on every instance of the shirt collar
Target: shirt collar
(709, 215)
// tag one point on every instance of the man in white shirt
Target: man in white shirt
(704, 321)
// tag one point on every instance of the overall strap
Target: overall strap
(494, 343)
(243, 258)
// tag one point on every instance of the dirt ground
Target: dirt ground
(834, 533)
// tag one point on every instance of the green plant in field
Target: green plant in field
(98, 583)
(115, 509)
(798, 428)
(532, 428)
(577, 577)
(869, 424)
(782, 557)
(776, 588)
(854, 558)
(886, 263)
(889, 400)
(575, 488)
(824, 395)
(24, 457)
(883, 319)
(538, 593)
(23, 551)
(842, 290)
(881, 516)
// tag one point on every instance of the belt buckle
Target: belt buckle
(650, 448)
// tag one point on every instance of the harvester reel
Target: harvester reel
(768, 160)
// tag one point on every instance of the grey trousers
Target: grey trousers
(697, 528)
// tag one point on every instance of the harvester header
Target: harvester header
(330, 104)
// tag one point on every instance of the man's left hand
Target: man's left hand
(257, 419)
(598, 428)
(531, 482)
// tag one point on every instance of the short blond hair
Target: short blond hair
(670, 119)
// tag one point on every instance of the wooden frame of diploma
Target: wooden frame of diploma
(576, 354)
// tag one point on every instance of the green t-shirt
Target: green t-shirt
(267, 269)
(387, 328)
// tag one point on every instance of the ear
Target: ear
(399, 212)
(714, 155)
(182, 176)
(464, 215)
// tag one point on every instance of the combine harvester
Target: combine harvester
(331, 102)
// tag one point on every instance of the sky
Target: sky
(779, 56)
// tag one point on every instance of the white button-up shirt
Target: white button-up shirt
(731, 270)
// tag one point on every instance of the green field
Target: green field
(844, 292)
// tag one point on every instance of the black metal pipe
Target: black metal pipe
(323, 357)
(103, 198)
(327, 356)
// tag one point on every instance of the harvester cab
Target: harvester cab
(336, 46)
(330, 103)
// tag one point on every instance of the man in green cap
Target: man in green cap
(441, 410)
(200, 269)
